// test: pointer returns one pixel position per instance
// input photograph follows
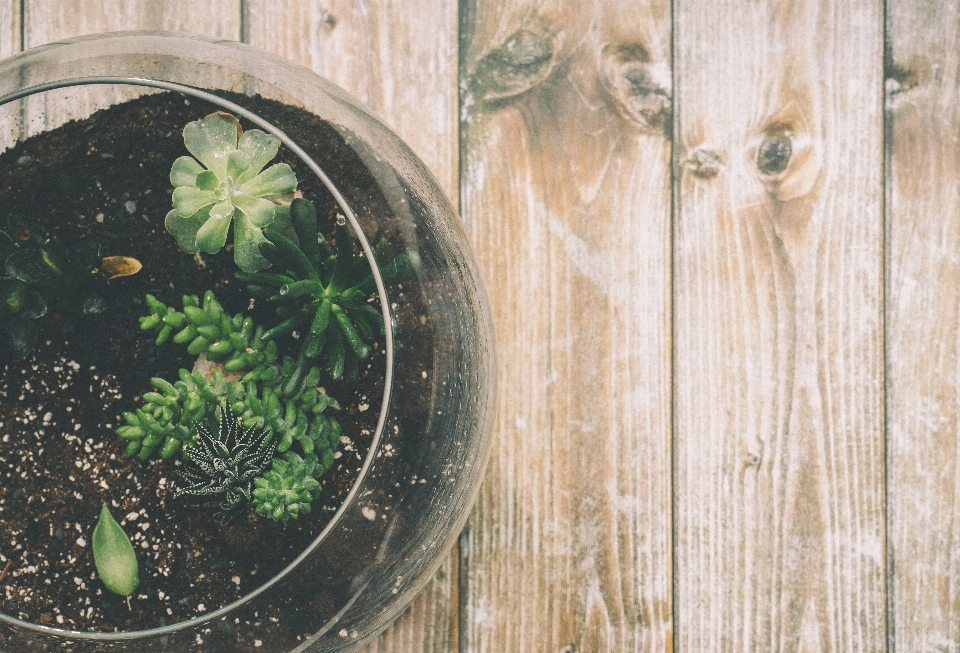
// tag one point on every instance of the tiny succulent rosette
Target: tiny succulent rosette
(286, 491)
(225, 182)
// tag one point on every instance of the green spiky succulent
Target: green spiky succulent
(322, 292)
(69, 278)
(286, 491)
(225, 182)
(165, 423)
(207, 329)
(223, 465)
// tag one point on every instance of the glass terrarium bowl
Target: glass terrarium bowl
(414, 488)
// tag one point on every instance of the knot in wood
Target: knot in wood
(704, 164)
(642, 89)
(774, 154)
(525, 52)
(525, 59)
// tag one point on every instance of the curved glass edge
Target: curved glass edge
(301, 87)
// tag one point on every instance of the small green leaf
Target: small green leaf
(206, 180)
(31, 266)
(212, 235)
(260, 147)
(275, 180)
(237, 164)
(23, 331)
(212, 139)
(184, 172)
(185, 229)
(12, 292)
(247, 239)
(114, 556)
(188, 200)
(259, 212)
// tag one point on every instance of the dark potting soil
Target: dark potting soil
(106, 179)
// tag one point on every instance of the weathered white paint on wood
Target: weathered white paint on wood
(400, 58)
(779, 483)
(9, 28)
(566, 195)
(923, 322)
(397, 57)
(46, 21)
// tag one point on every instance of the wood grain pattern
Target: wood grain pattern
(779, 362)
(566, 195)
(10, 28)
(399, 58)
(45, 21)
(778, 291)
(923, 322)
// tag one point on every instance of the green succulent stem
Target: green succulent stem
(279, 395)
(323, 291)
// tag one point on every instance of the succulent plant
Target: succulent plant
(38, 277)
(208, 329)
(165, 423)
(114, 555)
(226, 183)
(224, 464)
(323, 292)
(286, 491)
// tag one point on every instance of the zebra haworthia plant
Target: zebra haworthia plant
(224, 463)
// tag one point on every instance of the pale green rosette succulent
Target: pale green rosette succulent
(226, 182)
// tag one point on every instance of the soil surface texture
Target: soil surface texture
(106, 179)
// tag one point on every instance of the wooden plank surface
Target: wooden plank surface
(10, 28)
(779, 482)
(45, 21)
(923, 322)
(778, 297)
(399, 58)
(566, 193)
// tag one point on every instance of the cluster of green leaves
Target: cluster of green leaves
(223, 464)
(226, 184)
(324, 293)
(207, 329)
(38, 277)
(168, 419)
(287, 489)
